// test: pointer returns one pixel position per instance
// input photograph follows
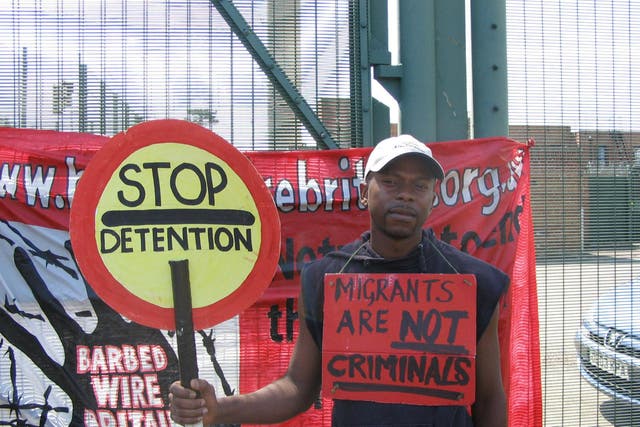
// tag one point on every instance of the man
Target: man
(399, 190)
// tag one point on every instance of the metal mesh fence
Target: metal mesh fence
(102, 66)
(573, 88)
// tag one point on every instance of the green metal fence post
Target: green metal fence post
(489, 61)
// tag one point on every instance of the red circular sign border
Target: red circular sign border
(88, 193)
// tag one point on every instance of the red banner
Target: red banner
(482, 207)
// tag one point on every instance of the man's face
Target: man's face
(400, 197)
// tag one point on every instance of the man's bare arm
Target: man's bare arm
(282, 399)
(490, 407)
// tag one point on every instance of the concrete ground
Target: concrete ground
(566, 289)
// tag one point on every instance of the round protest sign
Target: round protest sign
(169, 190)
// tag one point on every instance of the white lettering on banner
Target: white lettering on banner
(9, 180)
(117, 360)
(37, 183)
(454, 189)
(307, 192)
(73, 175)
(304, 186)
(127, 391)
(127, 418)
(284, 197)
(310, 195)
(457, 185)
(490, 191)
(515, 167)
(124, 377)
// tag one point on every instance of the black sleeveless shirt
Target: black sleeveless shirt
(431, 256)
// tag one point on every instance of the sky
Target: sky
(126, 43)
(581, 64)
(570, 62)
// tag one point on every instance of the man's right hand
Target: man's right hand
(187, 407)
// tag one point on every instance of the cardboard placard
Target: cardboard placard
(400, 338)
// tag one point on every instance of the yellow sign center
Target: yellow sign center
(171, 201)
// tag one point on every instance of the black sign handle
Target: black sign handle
(187, 362)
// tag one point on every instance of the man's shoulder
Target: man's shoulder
(467, 262)
(333, 261)
(491, 282)
(487, 274)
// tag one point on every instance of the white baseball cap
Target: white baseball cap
(394, 147)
